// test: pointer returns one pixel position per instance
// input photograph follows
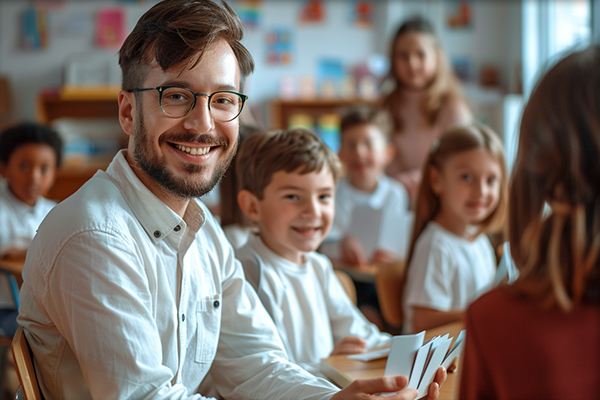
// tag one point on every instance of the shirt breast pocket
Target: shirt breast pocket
(208, 317)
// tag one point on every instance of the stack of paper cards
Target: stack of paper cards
(419, 361)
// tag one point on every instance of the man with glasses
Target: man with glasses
(131, 290)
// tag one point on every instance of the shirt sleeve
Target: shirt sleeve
(455, 114)
(430, 284)
(250, 361)
(345, 318)
(99, 298)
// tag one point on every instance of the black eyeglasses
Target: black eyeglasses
(177, 102)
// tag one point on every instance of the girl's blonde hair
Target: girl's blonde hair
(558, 165)
(444, 89)
(453, 142)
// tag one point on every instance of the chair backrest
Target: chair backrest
(389, 282)
(347, 284)
(24, 364)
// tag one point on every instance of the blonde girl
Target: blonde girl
(462, 197)
(425, 100)
(539, 338)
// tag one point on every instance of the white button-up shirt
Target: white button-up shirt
(18, 223)
(123, 299)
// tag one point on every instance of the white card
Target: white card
(371, 355)
(375, 228)
(365, 225)
(402, 354)
(419, 365)
(395, 231)
(434, 363)
(456, 349)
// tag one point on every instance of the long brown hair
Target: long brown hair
(455, 141)
(445, 88)
(558, 168)
(177, 31)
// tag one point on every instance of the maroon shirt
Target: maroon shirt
(516, 350)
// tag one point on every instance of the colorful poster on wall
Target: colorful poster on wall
(312, 11)
(34, 29)
(110, 28)
(249, 12)
(362, 13)
(460, 13)
(279, 46)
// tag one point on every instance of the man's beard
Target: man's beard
(184, 186)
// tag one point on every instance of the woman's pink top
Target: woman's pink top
(516, 350)
(416, 137)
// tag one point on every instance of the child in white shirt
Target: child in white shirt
(29, 157)
(462, 196)
(287, 181)
(365, 151)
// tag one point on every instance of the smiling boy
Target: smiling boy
(287, 182)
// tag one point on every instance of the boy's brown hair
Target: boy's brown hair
(367, 114)
(177, 31)
(264, 153)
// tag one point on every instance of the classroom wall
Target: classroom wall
(494, 37)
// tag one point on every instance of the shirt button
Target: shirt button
(177, 228)
(216, 303)
(182, 317)
(157, 234)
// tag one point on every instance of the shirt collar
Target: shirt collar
(157, 219)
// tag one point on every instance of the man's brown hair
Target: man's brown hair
(177, 31)
(265, 153)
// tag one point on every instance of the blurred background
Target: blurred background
(58, 61)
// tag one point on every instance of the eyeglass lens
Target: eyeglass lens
(178, 102)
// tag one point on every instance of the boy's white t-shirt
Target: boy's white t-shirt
(389, 194)
(446, 271)
(307, 303)
(18, 225)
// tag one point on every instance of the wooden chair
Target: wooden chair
(24, 364)
(6, 339)
(389, 282)
(347, 284)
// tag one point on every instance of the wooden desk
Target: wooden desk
(360, 274)
(14, 266)
(342, 370)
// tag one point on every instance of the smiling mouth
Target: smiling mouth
(307, 230)
(195, 151)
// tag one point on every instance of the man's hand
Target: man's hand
(367, 389)
(352, 252)
(350, 345)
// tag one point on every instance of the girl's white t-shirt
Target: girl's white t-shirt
(447, 271)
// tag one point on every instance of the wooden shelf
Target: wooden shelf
(282, 110)
(89, 102)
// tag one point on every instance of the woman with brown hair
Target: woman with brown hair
(426, 99)
(539, 338)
